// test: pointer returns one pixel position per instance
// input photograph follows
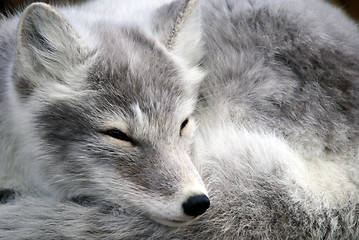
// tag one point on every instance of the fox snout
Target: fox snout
(188, 200)
(176, 216)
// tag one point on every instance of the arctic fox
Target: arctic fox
(111, 130)
(93, 106)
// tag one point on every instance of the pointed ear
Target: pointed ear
(47, 47)
(184, 32)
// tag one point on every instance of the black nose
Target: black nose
(196, 205)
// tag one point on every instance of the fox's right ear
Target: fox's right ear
(47, 47)
(178, 25)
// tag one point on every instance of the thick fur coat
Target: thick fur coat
(112, 114)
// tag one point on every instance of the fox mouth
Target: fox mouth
(172, 222)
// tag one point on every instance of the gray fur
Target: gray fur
(278, 127)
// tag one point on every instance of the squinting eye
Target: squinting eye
(117, 134)
(183, 125)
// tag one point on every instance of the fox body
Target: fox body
(100, 103)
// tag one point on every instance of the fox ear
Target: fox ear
(184, 33)
(47, 46)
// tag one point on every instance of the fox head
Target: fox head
(108, 104)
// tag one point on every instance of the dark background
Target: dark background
(10, 6)
(350, 6)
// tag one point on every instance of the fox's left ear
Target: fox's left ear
(179, 23)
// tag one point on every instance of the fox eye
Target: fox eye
(117, 134)
(183, 125)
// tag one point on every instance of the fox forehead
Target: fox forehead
(138, 76)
